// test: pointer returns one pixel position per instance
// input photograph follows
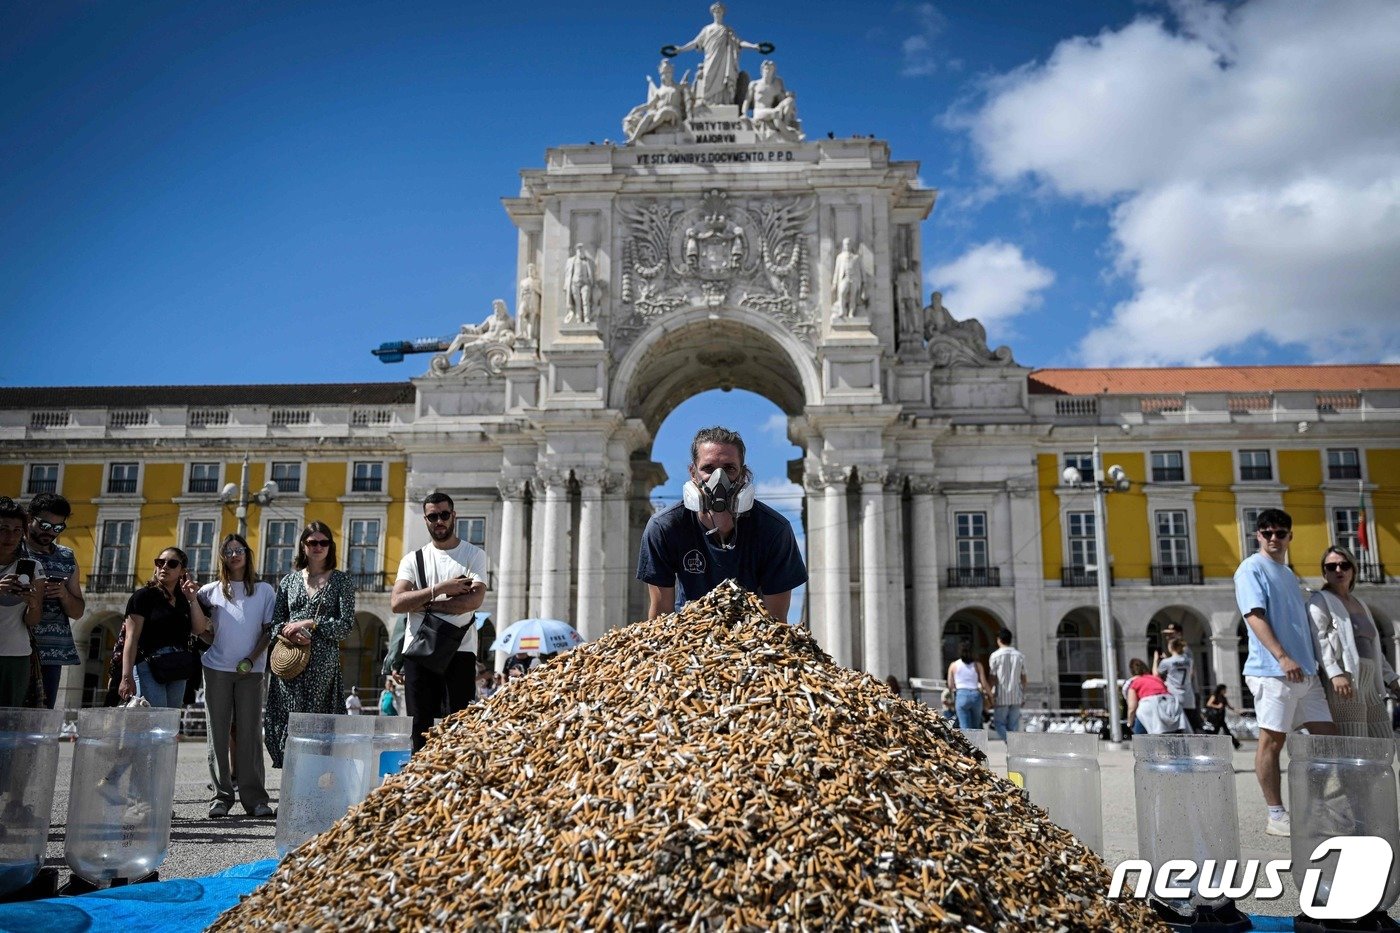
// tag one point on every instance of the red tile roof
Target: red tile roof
(1213, 379)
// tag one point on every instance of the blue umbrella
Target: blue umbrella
(537, 636)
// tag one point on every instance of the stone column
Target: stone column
(874, 604)
(554, 569)
(923, 540)
(617, 552)
(894, 577)
(591, 557)
(814, 531)
(511, 596)
(1224, 655)
(533, 587)
(836, 575)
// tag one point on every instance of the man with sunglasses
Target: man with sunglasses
(1281, 670)
(451, 585)
(63, 598)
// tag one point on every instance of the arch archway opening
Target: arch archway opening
(977, 625)
(1079, 657)
(1195, 631)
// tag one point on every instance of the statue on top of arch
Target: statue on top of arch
(719, 80)
(953, 342)
(484, 347)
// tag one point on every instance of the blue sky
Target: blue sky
(213, 192)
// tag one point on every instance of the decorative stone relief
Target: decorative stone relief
(483, 347)
(513, 488)
(922, 485)
(959, 343)
(873, 475)
(752, 254)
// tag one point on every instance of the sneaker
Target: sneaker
(1282, 826)
(263, 812)
(218, 810)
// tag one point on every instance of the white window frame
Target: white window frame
(218, 477)
(301, 477)
(485, 528)
(264, 542)
(1090, 559)
(1184, 534)
(345, 539)
(1240, 464)
(1081, 460)
(383, 489)
(984, 537)
(29, 476)
(1327, 465)
(1185, 467)
(203, 574)
(107, 477)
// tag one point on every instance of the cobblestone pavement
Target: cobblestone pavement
(201, 846)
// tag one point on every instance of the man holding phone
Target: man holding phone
(20, 600)
(446, 577)
(63, 598)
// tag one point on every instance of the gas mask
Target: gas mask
(718, 494)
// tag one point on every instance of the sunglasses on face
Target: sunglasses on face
(434, 517)
(55, 527)
(170, 563)
(1268, 534)
(317, 542)
(1340, 567)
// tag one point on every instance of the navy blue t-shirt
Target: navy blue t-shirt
(676, 552)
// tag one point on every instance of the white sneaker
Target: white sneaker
(1280, 826)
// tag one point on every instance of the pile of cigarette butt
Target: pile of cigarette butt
(707, 770)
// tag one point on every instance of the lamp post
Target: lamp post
(1118, 482)
(263, 497)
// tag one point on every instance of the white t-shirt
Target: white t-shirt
(14, 634)
(439, 566)
(239, 623)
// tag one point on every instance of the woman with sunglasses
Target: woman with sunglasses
(1357, 675)
(241, 608)
(315, 606)
(159, 619)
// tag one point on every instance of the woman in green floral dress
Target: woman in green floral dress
(316, 607)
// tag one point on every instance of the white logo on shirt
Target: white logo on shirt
(693, 562)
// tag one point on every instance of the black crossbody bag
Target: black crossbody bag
(437, 640)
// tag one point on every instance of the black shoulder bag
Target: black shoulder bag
(437, 640)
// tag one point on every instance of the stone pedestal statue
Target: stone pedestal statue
(579, 283)
(848, 293)
(483, 346)
(719, 81)
(665, 106)
(907, 291)
(772, 108)
(527, 305)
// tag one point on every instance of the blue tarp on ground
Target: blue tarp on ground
(194, 903)
(166, 906)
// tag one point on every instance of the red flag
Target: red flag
(1361, 541)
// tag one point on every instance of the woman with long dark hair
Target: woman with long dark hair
(1357, 675)
(316, 607)
(968, 678)
(241, 608)
(156, 655)
(21, 607)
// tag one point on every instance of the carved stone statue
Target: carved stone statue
(907, 291)
(578, 287)
(527, 304)
(848, 293)
(719, 77)
(665, 105)
(772, 107)
(482, 346)
(951, 340)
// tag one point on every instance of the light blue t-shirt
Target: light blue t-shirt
(1261, 583)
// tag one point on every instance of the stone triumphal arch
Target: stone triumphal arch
(718, 247)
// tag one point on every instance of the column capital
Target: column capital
(591, 481)
(875, 476)
(894, 481)
(513, 489)
(615, 480)
(922, 484)
(550, 478)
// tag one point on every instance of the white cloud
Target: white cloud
(776, 426)
(1250, 157)
(920, 57)
(993, 282)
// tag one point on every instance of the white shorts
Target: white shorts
(1282, 706)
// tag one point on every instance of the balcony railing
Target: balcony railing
(376, 582)
(37, 486)
(1082, 576)
(1177, 575)
(204, 484)
(1344, 471)
(119, 485)
(974, 576)
(111, 583)
(366, 484)
(1372, 573)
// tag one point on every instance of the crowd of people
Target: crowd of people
(1315, 657)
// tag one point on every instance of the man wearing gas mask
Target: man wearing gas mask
(718, 532)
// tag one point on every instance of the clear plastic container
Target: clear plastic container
(1185, 791)
(328, 762)
(977, 738)
(122, 790)
(1060, 772)
(393, 746)
(1340, 786)
(28, 773)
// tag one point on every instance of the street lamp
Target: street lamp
(1118, 482)
(263, 497)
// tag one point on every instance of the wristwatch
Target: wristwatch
(245, 666)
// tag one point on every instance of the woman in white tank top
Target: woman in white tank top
(969, 680)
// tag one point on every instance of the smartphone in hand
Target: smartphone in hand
(26, 569)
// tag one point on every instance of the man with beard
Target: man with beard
(446, 577)
(63, 598)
